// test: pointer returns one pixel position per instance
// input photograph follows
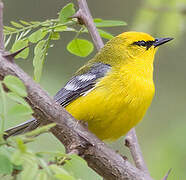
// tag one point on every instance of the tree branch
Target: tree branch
(83, 14)
(131, 141)
(167, 175)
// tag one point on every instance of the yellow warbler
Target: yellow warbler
(112, 91)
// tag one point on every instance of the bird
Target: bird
(111, 92)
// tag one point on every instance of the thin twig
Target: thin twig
(166, 176)
(83, 14)
(131, 141)
(1, 26)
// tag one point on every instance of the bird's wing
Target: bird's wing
(81, 83)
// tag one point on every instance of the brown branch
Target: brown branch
(131, 141)
(167, 175)
(83, 14)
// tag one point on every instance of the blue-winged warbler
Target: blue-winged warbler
(112, 91)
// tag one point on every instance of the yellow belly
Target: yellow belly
(114, 106)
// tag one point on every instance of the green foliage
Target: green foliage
(66, 12)
(18, 159)
(13, 96)
(6, 166)
(15, 85)
(19, 44)
(19, 110)
(80, 47)
(39, 57)
(108, 23)
(17, 93)
(37, 35)
(43, 33)
(105, 34)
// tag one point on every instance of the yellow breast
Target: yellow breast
(116, 104)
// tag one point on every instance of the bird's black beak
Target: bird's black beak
(160, 41)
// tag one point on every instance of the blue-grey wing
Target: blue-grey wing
(81, 83)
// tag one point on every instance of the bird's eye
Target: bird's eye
(140, 43)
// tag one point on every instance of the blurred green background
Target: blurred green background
(162, 133)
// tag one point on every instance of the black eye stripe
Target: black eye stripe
(146, 44)
(140, 43)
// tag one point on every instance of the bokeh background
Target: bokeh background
(162, 133)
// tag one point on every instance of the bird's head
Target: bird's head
(132, 47)
(139, 45)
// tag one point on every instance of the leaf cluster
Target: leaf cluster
(44, 34)
(18, 162)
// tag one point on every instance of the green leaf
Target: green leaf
(47, 23)
(39, 47)
(39, 56)
(19, 45)
(21, 146)
(64, 28)
(55, 36)
(80, 47)
(9, 28)
(108, 23)
(14, 84)
(16, 24)
(37, 36)
(102, 33)
(6, 166)
(7, 150)
(35, 22)
(98, 20)
(60, 28)
(79, 168)
(66, 12)
(25, 23)
(16, 98)
(105, 34)
(40, 130)
(19, 110)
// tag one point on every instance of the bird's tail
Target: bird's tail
(22, 128)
